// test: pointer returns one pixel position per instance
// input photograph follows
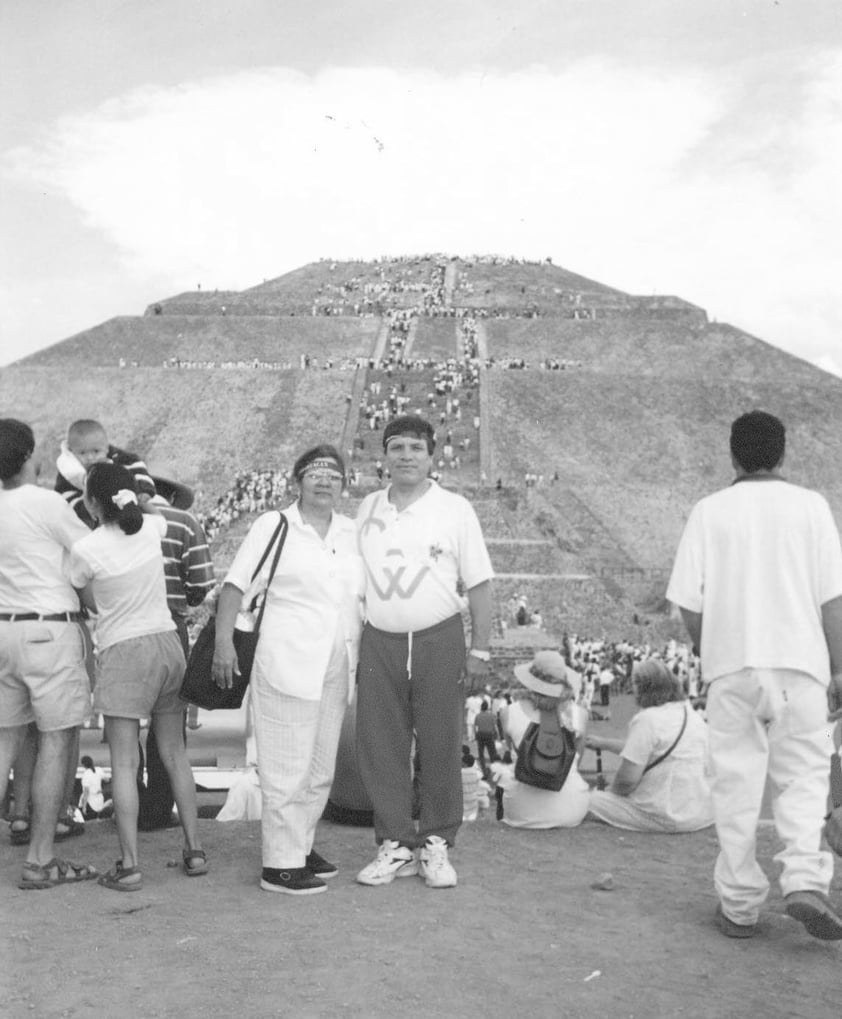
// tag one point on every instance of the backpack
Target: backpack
(484, 724)
(546, 753)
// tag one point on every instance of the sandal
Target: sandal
(120, 878)
(192, 868)
(56, 872)
(19, 836)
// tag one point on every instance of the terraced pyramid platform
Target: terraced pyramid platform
(616, 406)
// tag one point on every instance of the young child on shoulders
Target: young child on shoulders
(87, 443)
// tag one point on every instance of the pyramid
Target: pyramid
(614, 407)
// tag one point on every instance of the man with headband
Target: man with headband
(422, 547)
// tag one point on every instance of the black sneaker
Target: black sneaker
(294, 881)
(319, 866)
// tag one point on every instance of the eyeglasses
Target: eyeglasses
(334, 477)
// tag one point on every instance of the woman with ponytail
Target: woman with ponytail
(140, 663)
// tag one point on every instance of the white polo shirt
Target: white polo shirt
(37, 531)
(415, 558)
(758, 560)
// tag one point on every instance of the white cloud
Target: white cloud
(614, 172)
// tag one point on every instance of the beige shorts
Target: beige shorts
(42, 675)
(140, 677)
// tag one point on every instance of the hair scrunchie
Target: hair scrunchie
(123, 498)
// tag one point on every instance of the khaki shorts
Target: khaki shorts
(42, 675)
(140, 677)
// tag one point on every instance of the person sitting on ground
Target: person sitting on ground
(662, 783)
(549, 685)
(92, 802)
(470, 786)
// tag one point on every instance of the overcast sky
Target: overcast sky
(688, 147)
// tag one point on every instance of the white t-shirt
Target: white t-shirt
(415, 558)
(92, 790)
(679, 787)
(126, 572)
(37, 531)
(758, 560)
(525, 806)
(314, 600)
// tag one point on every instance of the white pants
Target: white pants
(768, 721)
(296, 757)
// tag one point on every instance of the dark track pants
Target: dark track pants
(391, 705)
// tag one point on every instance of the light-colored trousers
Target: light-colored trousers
(296, 756)
(768, 721)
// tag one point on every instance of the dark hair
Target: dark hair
(758, 441)
(654, 684)
(321, 452)
(17, 444)
(87, 762)
(484, 706)
(103, 481)
(410, 424)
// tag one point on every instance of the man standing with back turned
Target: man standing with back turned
(421, 546)
(758, 579)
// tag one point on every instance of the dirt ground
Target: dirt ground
(523, 933)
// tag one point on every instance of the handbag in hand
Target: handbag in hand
(198, 686)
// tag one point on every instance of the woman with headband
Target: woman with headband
(306, 657)
(140, 663)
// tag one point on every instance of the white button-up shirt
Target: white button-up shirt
(315, 600)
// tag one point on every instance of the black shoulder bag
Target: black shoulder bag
(198, 686)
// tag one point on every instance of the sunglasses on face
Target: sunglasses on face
(334, 477)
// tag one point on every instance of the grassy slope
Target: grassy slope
(639, 437)
(206, 424)
(152, 340)
(507, 285)
(436, 338)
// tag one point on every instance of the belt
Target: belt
(30, 617)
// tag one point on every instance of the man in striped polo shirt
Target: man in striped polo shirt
(189, 574)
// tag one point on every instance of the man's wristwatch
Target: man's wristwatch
(484, 656)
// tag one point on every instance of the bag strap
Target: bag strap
(550, 722)
(282, 529)
(666, 753)
(268, 548)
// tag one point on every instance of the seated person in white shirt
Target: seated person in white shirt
(662, 783)
(549, 685)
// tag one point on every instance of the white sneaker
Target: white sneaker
(393, 860)
(436, 869)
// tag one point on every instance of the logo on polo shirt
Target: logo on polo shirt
(394, 577)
